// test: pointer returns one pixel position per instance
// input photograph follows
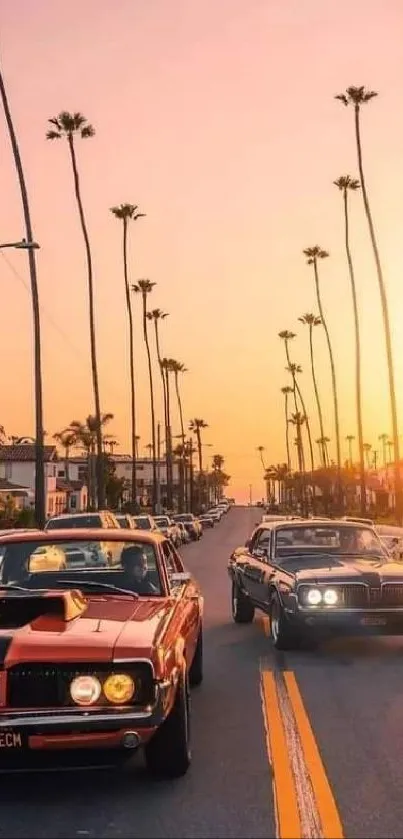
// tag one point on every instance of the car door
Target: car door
(260, 568)
(189, 595)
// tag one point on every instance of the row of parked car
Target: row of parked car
(180, 528)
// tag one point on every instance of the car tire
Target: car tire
(168, 753)
(196, 667)
(242, 609)
(283, 636)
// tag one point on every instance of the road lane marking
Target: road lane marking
(327, 809)
(285, 798)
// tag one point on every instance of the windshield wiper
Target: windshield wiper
(94, 584)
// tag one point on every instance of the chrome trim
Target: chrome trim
(134, 661)
(39, 718)
(334, 610)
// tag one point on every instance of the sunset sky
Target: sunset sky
(217, 118)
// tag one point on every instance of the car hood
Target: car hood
(334, 569)
(103, 629)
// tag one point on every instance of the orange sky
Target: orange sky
(217, 117)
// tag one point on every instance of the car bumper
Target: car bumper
(352, 621)
(24, 732)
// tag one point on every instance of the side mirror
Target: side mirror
(180, 578)
(247, 543)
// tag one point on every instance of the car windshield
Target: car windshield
(142, 522)
(123, 521)
(184, 517)
(130, 566)
(71, 522)
(322, 539)
(162, 521)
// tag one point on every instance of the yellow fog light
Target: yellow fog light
(119, 688)
(85, 690)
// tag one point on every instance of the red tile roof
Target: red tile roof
(69, 486)
(25, 454)
(7, 486)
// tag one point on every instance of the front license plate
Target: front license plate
(373, 621)
(10, 740)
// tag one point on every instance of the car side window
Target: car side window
(169, 558)
(264, 540)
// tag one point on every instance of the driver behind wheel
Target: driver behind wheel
(135, 567)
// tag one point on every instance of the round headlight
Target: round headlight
(85, 690)
(119, 688)
(330, 597)
(314, 597)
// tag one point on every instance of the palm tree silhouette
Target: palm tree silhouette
(70, 126)
(286, 392)
(144, 288)
(356, 97)
(126, 213)
(311, 320)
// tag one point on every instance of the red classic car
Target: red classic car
(99, 643)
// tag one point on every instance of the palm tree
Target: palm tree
(157, 315)
(357, 97)
(383, 438)
(177, 367)
(350, 439)
(70, 126)
(126, 213)
(286, 391)
(287, 336)
(137, 440)
(297, 419)
(311, 320)
(260, 449)
(67, 439)
(86, 434)
(313, 254)
(167, 365)
(197, 425)
(347, 184)
(145, 287)
(367, 449)
(40, 499)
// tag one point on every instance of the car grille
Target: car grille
(354, 596)
(35, 685)
(392, 595)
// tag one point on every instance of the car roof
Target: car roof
(305, 524)
(78, 534)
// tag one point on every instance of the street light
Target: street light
(23, 245)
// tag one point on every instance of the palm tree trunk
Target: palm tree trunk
(150, 377)
(40, 495)
(386, 323)
(67, 463)
(131, 359)
(363, 489)
(287, 431)
(316, 389)
(94, 365)
(334, 385)
(168, 442)
(164, 394)
(179, 401)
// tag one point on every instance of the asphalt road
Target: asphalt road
(330, 764)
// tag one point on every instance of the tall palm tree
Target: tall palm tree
(197, 425)
(357, 97)
(287, 336)
(67, 439)
(311, 320)
(70, 126)
(261, 449)
(40, 499)
(297, 419)
(126, 213)
(350, 439)
(177, 368)
(347, 184)
(167, 367)
(383, 438)
(157, 315)
(286, 392)
(145, 287)
(313, 255)
(86, 434)
(367, 449)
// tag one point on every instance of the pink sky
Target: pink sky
(217, 117)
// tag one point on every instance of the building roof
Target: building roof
(68, 486)
(25, 453)
(7, 486)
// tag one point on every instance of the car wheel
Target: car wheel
(282, 635)
(168, 754)
(242, 609)
(196, 668)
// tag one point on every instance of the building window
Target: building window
(73, 502)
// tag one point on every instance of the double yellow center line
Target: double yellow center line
(305, 806)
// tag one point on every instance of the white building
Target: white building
(17, 467)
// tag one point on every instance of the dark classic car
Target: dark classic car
(317, 578)
(97, 657)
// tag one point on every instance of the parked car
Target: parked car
(206, 521)
(317, 578)
(145, 522)
(191, 523)
(104, 520)
(98, 657)
(169, 528)
(126, 520)
(185, 536)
